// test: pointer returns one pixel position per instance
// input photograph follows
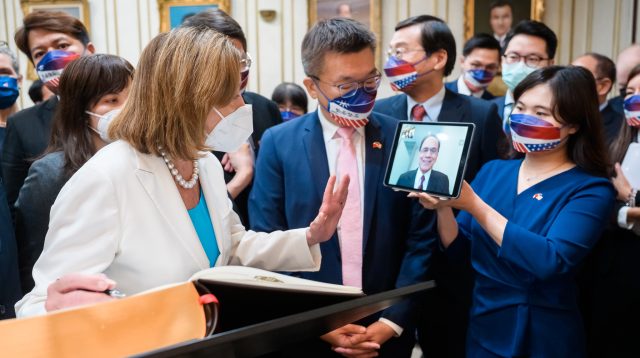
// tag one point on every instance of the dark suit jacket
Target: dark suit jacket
(265, 115)
(453, 86)
(612, 118)
(27, 137)
(499, 102)
(10, 291)
(398, 234)
(459, 108)
(438, 181)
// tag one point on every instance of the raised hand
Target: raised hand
(324, 225)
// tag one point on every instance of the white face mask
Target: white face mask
(232, 131)
(103, 123)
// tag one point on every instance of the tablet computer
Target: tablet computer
(429, 157)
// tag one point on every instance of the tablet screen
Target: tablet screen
(429, 157)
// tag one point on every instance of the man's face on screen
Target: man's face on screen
(428, 154)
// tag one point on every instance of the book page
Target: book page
(253, 277)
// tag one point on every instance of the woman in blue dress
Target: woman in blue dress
(531, 222)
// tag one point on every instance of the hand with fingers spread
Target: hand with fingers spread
(78, 289)
(351, 341)
(324, 225)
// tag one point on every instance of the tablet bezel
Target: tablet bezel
(462, 165)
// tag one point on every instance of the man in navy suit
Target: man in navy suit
(425, 177)
(423, 52)
(604, 72)
(384, 240)
(480, 63)
(529, 46)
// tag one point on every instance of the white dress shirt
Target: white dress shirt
(332, 142)
(464, 89)
(624, 211)
(509, 102)
(433, 106)
(418, 179)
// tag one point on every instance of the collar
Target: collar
(330, 129)
(604, 105)
(508, 98)
(433, 105)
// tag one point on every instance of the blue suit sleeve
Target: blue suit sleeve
(571, 236)
(421, 240)
(266, 201)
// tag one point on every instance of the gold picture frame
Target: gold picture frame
(173, 12)
(76, 8)
(536, 13)
(323, 9)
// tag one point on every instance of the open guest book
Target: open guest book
(214, 300)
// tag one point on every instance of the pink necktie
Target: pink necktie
(421, 183)
(351, 219)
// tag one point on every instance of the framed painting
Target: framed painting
(480, 19)
(174, 12)
(364, 11)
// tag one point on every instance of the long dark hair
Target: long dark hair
(82, 84)
(626, 134)
(575, 103)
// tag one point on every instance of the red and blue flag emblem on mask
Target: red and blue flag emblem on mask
(400, 73)
(532, 134)
(632, 110)
(51, 65)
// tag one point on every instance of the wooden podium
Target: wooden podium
(270, 336)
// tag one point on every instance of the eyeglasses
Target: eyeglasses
(246, 62)
(369, 85)
(532, 61)
(399, 52)
(433, 150)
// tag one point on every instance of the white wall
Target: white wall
(123, 27)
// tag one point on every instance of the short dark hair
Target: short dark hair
(35, 91)
(484, 41)
(436, 36)
(500, 3)
(220, 21)
(54, 21)
(339, 35)
(291, 92)
(537, 29)
(574, 102)
(427, 137)
(605, 67)
(82, 84)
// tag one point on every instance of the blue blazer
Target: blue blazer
(453, 86)
(10, 291)
(459, 108)
(291, 175)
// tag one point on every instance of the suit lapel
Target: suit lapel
(452, 108)
(316, 152)
(399, 107)
(159, 185)
(374, 162)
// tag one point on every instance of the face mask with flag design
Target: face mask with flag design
(632, 110)
(478, 79)
(9, 91)
(352, 111)
(532, 134)
(51, 66)
(402, 74)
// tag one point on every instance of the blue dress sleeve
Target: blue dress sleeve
(569, 239)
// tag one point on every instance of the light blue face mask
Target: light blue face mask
(514, 73)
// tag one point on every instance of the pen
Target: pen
(115, 293)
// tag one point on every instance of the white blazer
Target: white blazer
(121, 214)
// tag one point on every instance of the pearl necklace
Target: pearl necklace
(174, 171)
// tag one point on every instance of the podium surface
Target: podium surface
(273, 335)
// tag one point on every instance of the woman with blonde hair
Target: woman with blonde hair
(152, 207)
